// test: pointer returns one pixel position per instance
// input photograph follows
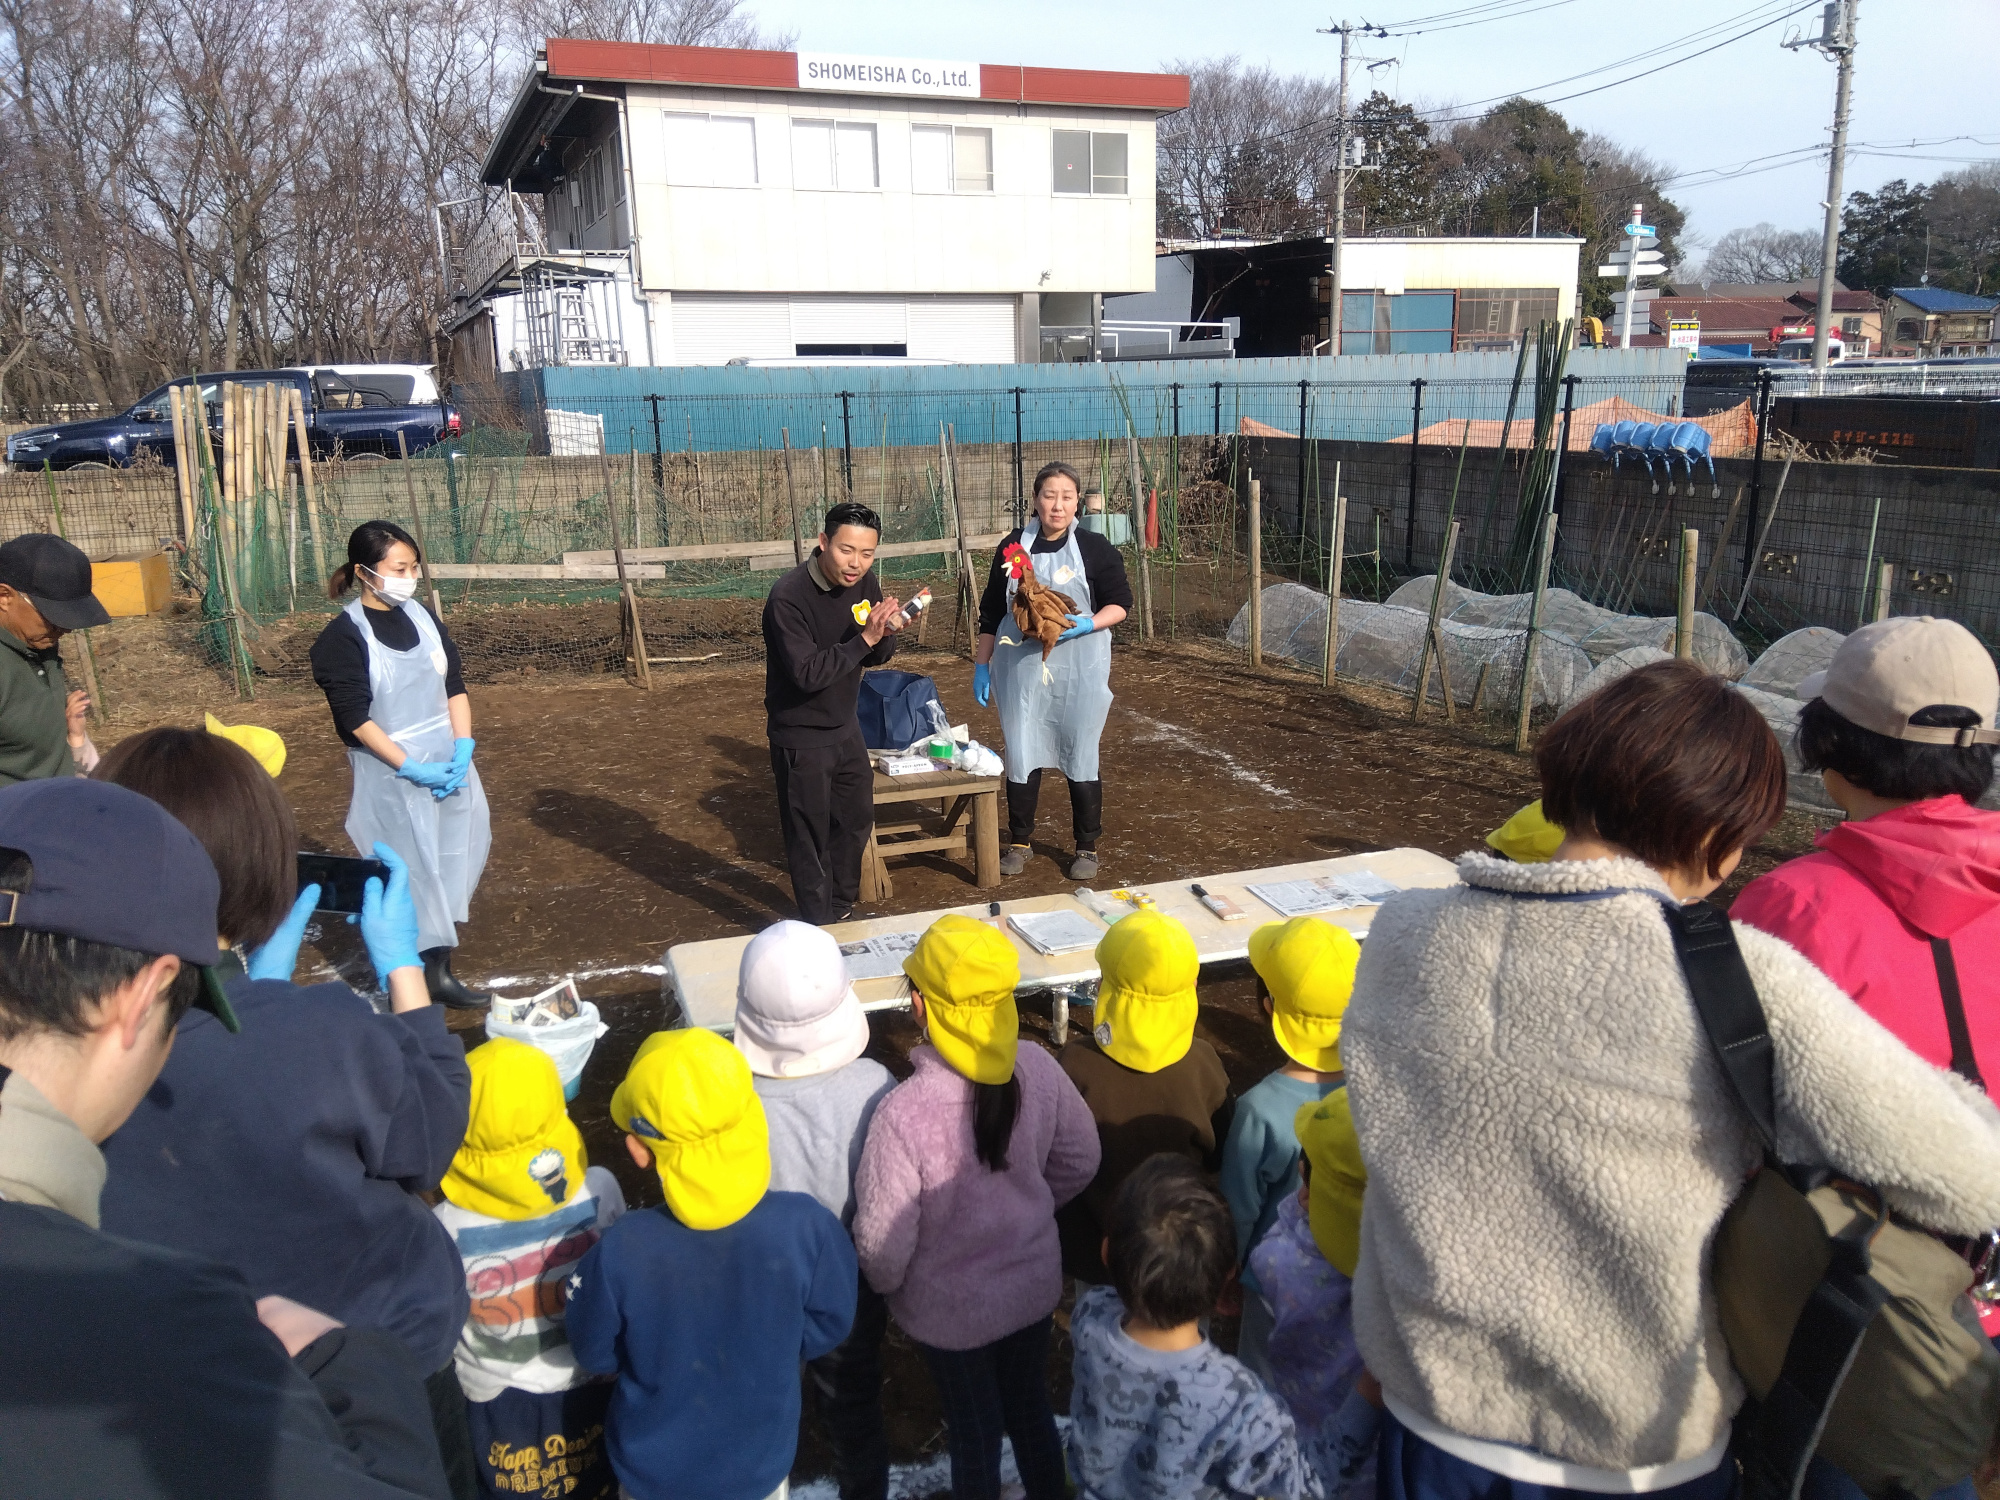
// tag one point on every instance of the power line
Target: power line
(1514, 10)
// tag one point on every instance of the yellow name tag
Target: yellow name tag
(861, 611)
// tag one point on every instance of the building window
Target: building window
(711, 150)
(833, 154)
(1090, 161)
(947, 159)
(1501, 315)
(1909, 328)
(1404, 323)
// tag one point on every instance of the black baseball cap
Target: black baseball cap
(110, 866)
(56, 578)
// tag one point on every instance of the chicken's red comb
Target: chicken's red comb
(1017, 559)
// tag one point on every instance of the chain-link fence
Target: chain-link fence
(707, 498)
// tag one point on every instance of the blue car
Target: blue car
(343, 418)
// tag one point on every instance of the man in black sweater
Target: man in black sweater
(824, 622)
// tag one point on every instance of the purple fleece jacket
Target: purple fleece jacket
(964, 1254)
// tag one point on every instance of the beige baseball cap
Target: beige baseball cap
(1887, 671)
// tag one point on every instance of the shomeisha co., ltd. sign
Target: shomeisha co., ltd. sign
(843, 73)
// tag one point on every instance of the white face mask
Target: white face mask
(395, 590)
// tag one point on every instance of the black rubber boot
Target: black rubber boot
(445, 986)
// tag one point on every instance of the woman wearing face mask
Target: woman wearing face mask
(1052, 712)
(392, 677)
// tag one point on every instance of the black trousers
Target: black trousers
(454, 1432)
(848, 1383)
(999, 1387)
(1086, 805)
(826, 805)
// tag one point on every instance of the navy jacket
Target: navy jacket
(134, 1371)
(295, 1151)
(705, 1329)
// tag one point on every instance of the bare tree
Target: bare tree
(1250, 152)
(1764, 252)
(680, 23)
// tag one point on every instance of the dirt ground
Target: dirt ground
(626, 821)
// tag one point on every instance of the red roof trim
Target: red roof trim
(737, 67)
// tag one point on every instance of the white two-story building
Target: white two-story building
(704, 205)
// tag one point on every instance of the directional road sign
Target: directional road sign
(1640, 295)
(1646, 268)
(1643, 230)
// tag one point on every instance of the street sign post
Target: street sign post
(1684, 333)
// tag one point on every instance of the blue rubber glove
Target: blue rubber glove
(1078, 625)
(461, 767)
(278, 956)
(389, 918)
(428, 774)
(982, 684)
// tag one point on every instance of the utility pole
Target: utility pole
(1836, 40)
(1337, 230)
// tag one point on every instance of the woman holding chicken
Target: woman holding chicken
(1053, 685)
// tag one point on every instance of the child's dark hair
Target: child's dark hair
(1899, 769)
(994, 1109)
(367, 545)
(1173, 1243)
(851, 513)
(1050, 471)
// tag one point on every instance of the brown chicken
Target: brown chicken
(1040, 611)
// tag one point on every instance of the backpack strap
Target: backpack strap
(1775, 1438)
(1963, 1063)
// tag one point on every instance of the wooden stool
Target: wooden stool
(957, 795)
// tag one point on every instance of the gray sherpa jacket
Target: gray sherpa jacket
(1551, 1143)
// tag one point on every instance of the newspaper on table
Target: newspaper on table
(559, 1002)
(1298, 898)
(1052, 932)
(879, 957)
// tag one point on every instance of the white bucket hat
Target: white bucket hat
(796, 1013)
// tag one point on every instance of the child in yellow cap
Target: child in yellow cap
(1152, 1085)
(1305, 1269)
(704, 1306)
(965, 1165)
(1305, 975)
(524, 1206)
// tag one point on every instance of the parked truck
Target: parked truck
(345, 416)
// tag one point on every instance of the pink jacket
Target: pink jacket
(1865, 907)
(966, 1255)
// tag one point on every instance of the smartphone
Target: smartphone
(341, 879)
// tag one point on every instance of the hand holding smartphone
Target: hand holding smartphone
(342, 879)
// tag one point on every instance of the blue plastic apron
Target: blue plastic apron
(444, 843)
(1052, 714)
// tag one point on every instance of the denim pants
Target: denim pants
(1000, 1387)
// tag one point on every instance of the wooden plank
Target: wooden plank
(890, 849)
(752, 551)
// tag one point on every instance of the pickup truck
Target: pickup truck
(342, 418)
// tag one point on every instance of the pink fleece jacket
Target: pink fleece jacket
(964, 1254)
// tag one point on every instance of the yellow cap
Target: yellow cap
(689, 1098)
(266, 746)
(967, 973)
(1527, 838)
(521, 1157)
(1308, 966)
(1146, 1000)
(1333, 1200)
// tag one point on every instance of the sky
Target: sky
(1747, 122)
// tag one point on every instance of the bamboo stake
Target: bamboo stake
(948, 439)
(1479, 687)
(1139, 532)
(417, 521)
(181, 459)
(1256, 574)
(1763, 533)
(631, 598)
(792, 501)
(1333, 579)
(97, 708)
(1533, 648)
(292, 516)
(298, 409)
(1707, 590)
(228, 538)
(1885, 581)
(1868, 562)
(1431, 648)
(1684, 615)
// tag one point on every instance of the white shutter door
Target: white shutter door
(713, 329)
(849, 320)
(965, 330)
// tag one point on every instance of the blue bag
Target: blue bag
(891, 708)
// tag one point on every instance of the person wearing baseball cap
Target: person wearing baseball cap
(44, 594)
(126, 1368)
(704, 1307)
(800, 1026)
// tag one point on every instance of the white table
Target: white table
(702, 976)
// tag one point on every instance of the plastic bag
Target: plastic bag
(568, 1043)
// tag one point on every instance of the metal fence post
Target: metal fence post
(846, 444)
(1218, 408)
(659, 455)
(1750, 538)
(1020, 498)
(1562, 447)
(1416, 425)
(1303, 440)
